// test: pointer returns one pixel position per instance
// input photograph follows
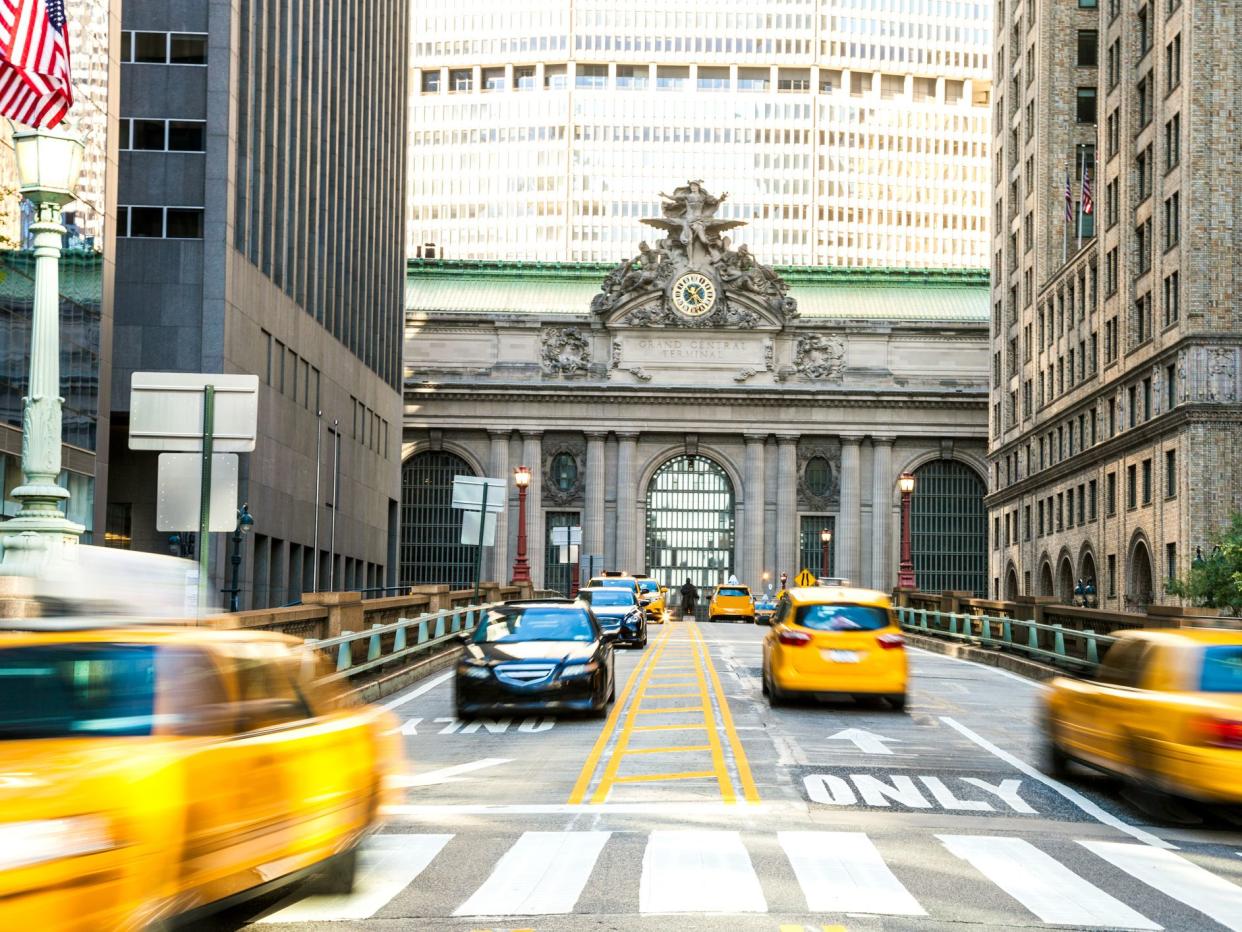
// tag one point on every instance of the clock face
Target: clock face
(694, 294)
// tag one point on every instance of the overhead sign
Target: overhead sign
(468, 493)
(166, 411)
(805, 579)
(179, 492)
(470, 528)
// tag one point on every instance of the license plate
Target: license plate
(840, 656)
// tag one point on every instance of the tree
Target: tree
(1215, 581)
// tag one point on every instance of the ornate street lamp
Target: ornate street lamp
(905, 572)
(245, 521)
(48, 162)
(521, 568)
(825, 552)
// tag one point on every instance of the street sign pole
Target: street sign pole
(204, 506)
(478, 550)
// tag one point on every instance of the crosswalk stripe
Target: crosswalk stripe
(543, 873)
(1042, 884)
(698, 871)
(843, 872)
(1175, 876)
(387, 865)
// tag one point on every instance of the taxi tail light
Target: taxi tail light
(794, 638)
(891, 641)
(1219, 732)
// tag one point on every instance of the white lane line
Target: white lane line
(698, 872)
(387, 865)
(446, 774)
(843, 872)
(543, 873)
(1175, 876)
(1046, 887)
(675, 810)
(418, 691)
(1086, 805)
(1033, 684)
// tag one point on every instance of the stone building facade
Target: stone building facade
(700, 414)
(1116, 413)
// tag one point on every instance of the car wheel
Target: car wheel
(897, 702)
(338, 874)
(1055, 760)
(764, 680)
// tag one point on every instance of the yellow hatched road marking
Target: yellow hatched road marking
(671, 750)
(697, 726)
(674, 708)
(657, 777)
(727, 793)
(675, 695)
(739, 754)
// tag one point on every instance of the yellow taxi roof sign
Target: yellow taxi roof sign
(805, 579)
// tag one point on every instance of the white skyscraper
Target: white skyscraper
(846, 132)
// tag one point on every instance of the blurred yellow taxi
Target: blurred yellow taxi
(835, 641)
(651, 598)
(731, 602)
(151, 772)
(1164, 709)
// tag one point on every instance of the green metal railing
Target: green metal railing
(402, 640)
(1076, 650)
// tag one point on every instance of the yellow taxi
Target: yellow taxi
(1164, 709)
(731, 602)
(154, 772)
(651, 597)
(836, 641)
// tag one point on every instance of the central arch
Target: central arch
(948, 528)
(691, 521)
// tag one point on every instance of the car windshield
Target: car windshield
(602, 597)
(74, 690)
(733, 591)
(648, 585)
(842, 617)
(535, 624)
(1222, 670)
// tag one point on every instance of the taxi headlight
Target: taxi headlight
(474, 671)
(580, 669)
(26, 843)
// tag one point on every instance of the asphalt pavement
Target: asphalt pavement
(696, 805)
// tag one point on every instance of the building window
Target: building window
(1143, 22)
(164, 48)
(1145, 92)
(1086, 105)
(1060, 511)
(1112, 576)
(1173, 142)
(1112, 273)
(1026, 522)
(1142, 246)
(632, 77)
(1170, 387)
(690, 522)
(461, 80)
(1088, 48)
(1147, 482)
(1113, 132)
(713, 79)
(1172, 220)
(1131, 487)
(810, 548)
(1170, 561)
(1173, 63)
(493, 79)
(162, 135)
(1132, 393)
(1147, 399)
(1069, 506)
(1092, 489)
(159, 222)
(555, 77)
(591, 77)
(564, 472)
(431, 548)
(1114, 64)
(948, 524)
(1110, 494)
(431, 81)
(1170, 473)
(557, 576)
(1086, 4)
(524, 78)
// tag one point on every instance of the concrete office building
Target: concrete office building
(260, 231)
(1116, 413)
(847, 132)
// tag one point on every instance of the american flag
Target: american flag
(35, 82)
(1069, 199)
(1087, 204)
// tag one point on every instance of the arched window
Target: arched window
(690, 522)
(431, 548)
(564, 471)
(948, 528)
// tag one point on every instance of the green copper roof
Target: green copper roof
(494, 287)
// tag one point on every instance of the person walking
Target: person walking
(689, 598)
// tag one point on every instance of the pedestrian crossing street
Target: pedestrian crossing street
(688, 871)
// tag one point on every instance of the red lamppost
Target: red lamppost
(905, 573)
(825, 552)
(521, 568)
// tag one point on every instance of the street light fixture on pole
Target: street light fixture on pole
(905, 573)
(825, 554)
(245, 521)
(48, 162)
(521, 567)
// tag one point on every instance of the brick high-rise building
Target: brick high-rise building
(1116, 408)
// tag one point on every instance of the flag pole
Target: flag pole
(1082, 168)
(1066, 214)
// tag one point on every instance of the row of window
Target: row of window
(369, 429)
(155, 135)
(290, 374)
(159, 222)
(163, 48)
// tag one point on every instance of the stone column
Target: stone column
(750, 559)
(786, 508)
(881, 510)
(593, 519)
(627, 502)
(499, 569)
(848, 534)
(532, 456)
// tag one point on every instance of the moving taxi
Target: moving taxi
(1164, 710)
(835, 641)
(651, 597)
(731, 602)
(617, 580)
(152, 772)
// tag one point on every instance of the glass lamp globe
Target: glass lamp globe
(48, 164)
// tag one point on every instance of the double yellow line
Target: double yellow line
(698, 680)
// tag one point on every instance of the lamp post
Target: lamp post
(48, 162)
(825, 552)
(521, 568)
(905, 572)
(245, 521)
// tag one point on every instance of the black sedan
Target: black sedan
(618, 613)
(535, 657)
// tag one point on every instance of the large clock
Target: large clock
(694, 294)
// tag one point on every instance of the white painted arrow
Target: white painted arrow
(866, 741)
(446, 774)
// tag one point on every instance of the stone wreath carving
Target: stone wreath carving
(565, 351)
(554, 447)
(819, 358)
(809, 498)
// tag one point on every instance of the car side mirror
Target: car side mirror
(609, 636)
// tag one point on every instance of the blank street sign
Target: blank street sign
(468, 493)
(166, 411)
(179, 492)
(470, 528)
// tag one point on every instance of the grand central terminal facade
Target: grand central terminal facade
(698, 414)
